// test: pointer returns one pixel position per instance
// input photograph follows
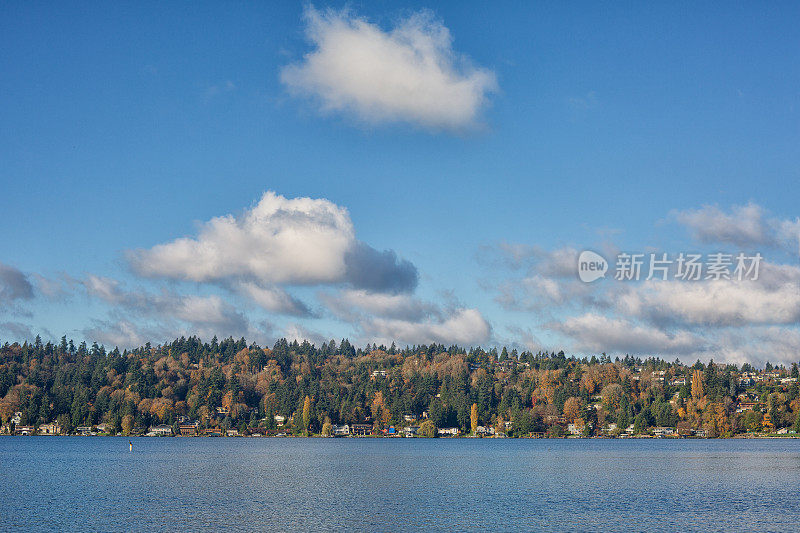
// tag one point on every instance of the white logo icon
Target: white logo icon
(591, 266)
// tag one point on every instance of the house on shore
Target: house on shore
(410, 431)
(361, 430)
(161, 430)
(340, 431)
(54, 428)
(664, 432)
(188, 429)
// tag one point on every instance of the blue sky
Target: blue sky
(539, 129)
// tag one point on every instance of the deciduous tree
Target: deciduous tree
(473, 418)
(306, 414)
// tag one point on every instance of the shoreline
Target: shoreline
(376, 437)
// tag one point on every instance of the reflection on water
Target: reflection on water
(76, 483)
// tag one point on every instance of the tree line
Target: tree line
(233, 383)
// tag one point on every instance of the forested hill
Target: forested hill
(235, 384)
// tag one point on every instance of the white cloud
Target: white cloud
(404, 319)
(410, 74)
(744, 225)
(717, 303)
(465, 327)
(52, 289)
(277, 241)
(14, 285)
(209, 315)
(206, 311)
(120, 333)
(558, 263)
(538, 292)
(757, 345)
(298, 332)
(17, 332)
(106, 289)
(352, 304)
(524, 339)
(273, 299)
(597, 333)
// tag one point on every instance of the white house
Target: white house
(663, 431)
(340, 431)
(161, 430)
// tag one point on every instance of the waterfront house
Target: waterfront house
(84, 431)
(746, 406)
(188, 429)
(340, 431)
(410, 431)
(279, 419)
(663, 432)
(361, 430)
(161, 430)
(53, 428)
(609, 429)
(24, 430)
(575, 429)
(232, 433)
(448, 432)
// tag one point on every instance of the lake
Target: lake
(246, 484)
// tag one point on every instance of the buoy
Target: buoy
(130, 446)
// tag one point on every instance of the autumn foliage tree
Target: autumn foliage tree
(572, 408)
(127, 424)
(697, 385)
(293, 385)
(427, 429)
(473, 418)
(306, 414)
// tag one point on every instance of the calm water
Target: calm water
(94, 483)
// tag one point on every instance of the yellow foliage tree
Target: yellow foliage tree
(127, 424)
(380, 413)
(572, 408)
(306, 414)
(499, 425)
(427, 429)
(697, 385)
(473, 418)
